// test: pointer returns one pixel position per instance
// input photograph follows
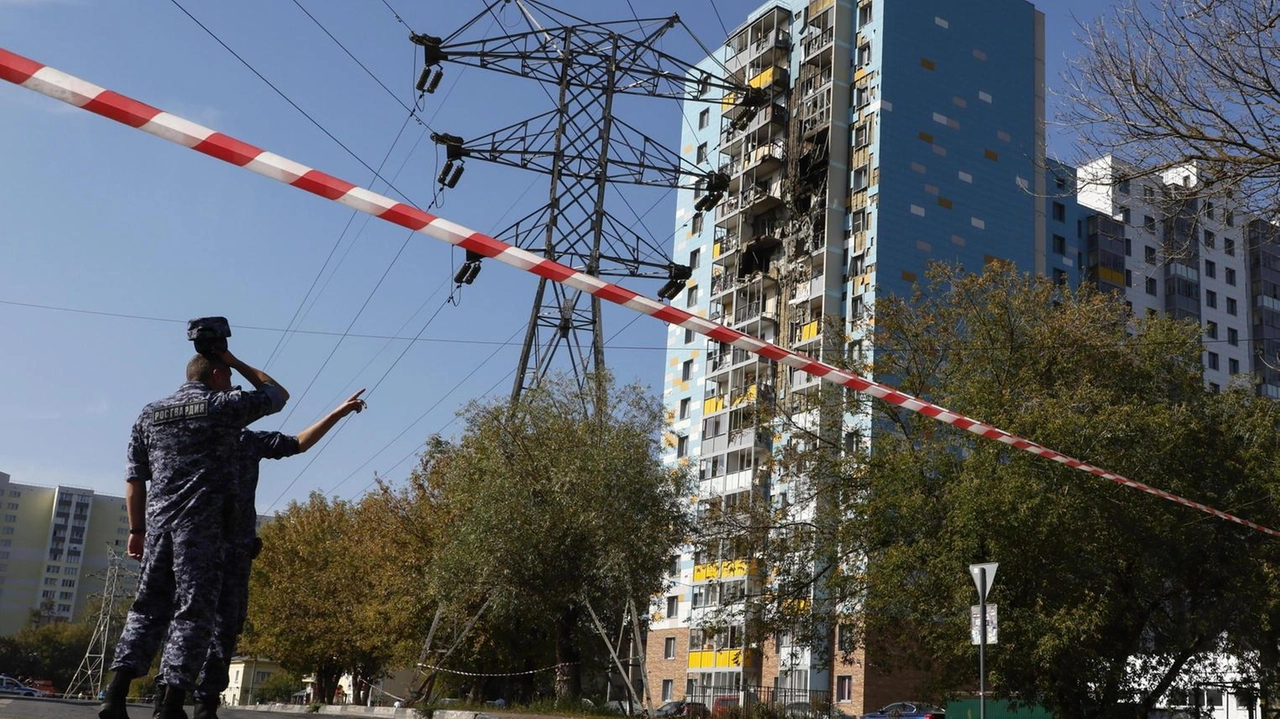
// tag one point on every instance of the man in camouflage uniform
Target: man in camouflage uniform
(182, 445)
(242, 546)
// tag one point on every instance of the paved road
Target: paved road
(21, 708)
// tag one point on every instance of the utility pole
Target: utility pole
(585, 149)
(89, 674)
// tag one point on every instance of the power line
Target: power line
(356, 59)
(716, 10)
(286, 98)
(446, 425)
(298, 313)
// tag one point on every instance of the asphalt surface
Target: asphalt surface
(23, 708)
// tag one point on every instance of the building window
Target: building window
(682, 446)
(864, 14)
(864, 54)
(696, 227)
(1059, 277)
(10, 517)
(691, 296)
(1148, 223)
(1231, 276)
(686, 370)
(51, 569)
(1210, 240)
(1229, 246)
(688, 336)
(1128, 278)
(1059, 244)
(1059, 212)
(704, 118)
(1149, 254)
(668, 686)
(1213, 360)
(1211, 330)
(684, 408)
(669, 648)
(1151, 286)
(1210, 298)
(68, 582)
(1210, 269)
(1128, 247)
(702, 153)
(1124, 215)
(673, 606)
(51, 581)
(844, 689)
(1233, 366)
(1231, 219)
(1231, 306)
(6, 530)
(1233, 337)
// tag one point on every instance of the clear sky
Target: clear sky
(97, 217)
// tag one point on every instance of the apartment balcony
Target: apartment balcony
(758, 200)
(803, 333)
(725, 245)
(724, 659)
(765, 159)
(749, 312)
(771, 118)
(726, 210)
(727, 569)
(817, 41)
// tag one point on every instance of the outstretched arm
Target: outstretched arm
(308, 437)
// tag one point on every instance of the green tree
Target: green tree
(336, 590)
(279, 688)
(1108, 596)
(302, 590)
(50, 651)
(552, 505)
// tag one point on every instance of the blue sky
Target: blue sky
(101, 218)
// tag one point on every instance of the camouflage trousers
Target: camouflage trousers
(178, 594)
(233, 609)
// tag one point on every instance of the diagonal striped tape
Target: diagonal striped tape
(74, 91)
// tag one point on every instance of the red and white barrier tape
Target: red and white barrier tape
(74, 91)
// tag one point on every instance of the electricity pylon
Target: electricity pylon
(90, 674)
(584, 148)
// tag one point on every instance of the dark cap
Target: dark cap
(209, 327)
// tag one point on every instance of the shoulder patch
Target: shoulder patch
(175, 412)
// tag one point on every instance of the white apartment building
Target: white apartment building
(55, 547)
(1186, 256)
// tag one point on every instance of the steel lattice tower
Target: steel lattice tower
(584, 148)
(90, 674)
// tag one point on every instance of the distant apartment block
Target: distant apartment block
(55, 546)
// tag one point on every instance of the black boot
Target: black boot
(157, 701)
(115, 695)
(205, 708)
(172, 706)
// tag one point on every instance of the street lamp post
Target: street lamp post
(984, 575)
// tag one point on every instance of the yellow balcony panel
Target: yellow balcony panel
(705, 572)
(810, 330)
(1107, 274)
(712, 404)
(726, 658)
(728, 101)
(715, 250)
(763, 78)
(702, 660)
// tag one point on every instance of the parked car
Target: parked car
(805, 710)
(696, 710)
(13, 687)
(44, 686)
(908, 710)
